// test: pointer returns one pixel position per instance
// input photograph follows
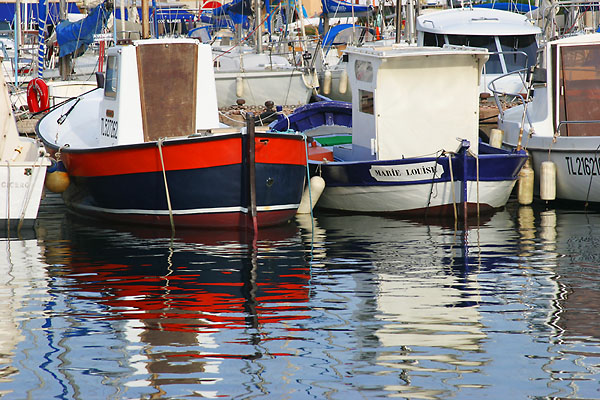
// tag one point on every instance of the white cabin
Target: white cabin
(157, 88)
(412, 101)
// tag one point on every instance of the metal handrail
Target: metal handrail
(498, 93)
(563, 123)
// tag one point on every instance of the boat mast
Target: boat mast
(42, 18)
(64, 62)
(17, 39)
(257, 18)
(145, 19)
(398, 21)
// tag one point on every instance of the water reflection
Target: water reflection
(319, 308)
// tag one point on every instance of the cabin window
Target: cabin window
(363, 70)
(579, 78)
(433, 40)
(110, 84)
(366, 101)
(493, 65)
(513, 48)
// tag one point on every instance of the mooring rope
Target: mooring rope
(162, 162)
(452, 182)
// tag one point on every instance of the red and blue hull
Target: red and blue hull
(207, 181)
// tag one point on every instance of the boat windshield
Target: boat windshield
(513, 48)
(493, 65)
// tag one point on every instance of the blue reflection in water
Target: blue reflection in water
(345, 307)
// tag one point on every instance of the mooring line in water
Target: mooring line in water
(452, 185)
(476, 157)
(162, 162)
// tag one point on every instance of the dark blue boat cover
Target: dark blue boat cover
(71, 36)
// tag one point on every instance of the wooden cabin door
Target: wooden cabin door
(167, 76)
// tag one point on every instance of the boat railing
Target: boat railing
(565, 123)
(526, 76)
(574, 12)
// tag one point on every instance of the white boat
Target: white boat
(409, 151)
(259, 77)
(22, 170)
(511, 39)
(562, 120)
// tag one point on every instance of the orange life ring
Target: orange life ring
(37, 95)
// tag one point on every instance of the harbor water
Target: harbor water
(339, 307)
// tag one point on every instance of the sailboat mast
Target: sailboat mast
(145, 19)
(42, 17)
(258, 32)
(17, 39)
(122, 7)
(64, 62)
(398, 21)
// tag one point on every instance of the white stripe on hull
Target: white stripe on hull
(215, 210)
(413, 197)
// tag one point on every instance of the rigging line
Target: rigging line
(587, 197)
(249, 34)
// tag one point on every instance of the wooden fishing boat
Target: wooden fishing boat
(147, 147)
(414, 145)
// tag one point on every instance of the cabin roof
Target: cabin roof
(476, 21)
(398, 51)
(591, 38)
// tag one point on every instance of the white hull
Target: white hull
(561, 120)
(577, 168)
(403, 198)
(289, 87)
(21, 185)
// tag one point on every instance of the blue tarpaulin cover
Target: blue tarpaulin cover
(238, 11)
(7, 11)
(73, 35)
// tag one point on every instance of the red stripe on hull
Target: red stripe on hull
(180, 155)
(234, 220)
(280, 150)
(146, 158)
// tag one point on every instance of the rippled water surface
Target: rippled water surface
(344, 307)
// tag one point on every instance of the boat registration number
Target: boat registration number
(108, 128)
(583, 165)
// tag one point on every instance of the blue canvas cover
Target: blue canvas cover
(341, 8)
(73, 35)
(7, 10)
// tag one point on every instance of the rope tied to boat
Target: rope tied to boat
(452, 185)
(476, 157)
(162, 163)
(439, 155)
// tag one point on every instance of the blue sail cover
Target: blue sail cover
(341, 8)
(236, 12)
(7, 11)
(73, 35)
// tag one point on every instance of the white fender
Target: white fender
(317, 185)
